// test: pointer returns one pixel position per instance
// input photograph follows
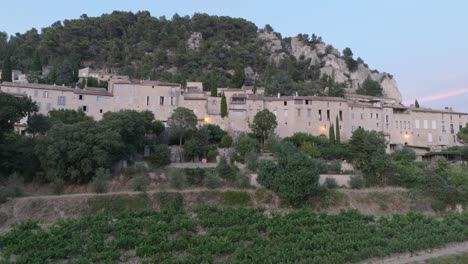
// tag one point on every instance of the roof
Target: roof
(90, 90)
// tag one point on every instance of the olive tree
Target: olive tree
(182, 122)
(264, 123)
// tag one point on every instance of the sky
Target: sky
(423, 44)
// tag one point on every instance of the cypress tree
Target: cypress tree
(6, 69)
(416, 103)
(213, 86)
(37, 64)
(338, 137)
(239, 77)
(331, 134)
(224, 112)
(254, 89)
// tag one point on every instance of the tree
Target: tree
(268, 28)
(338, 134)
(6, 69)
(239, 77)
(294, 177)
(38, 124)
(247, 144)
(370, 87)
(213, 85)
(224, 111)
(368, 152)
(264, 122)
(197, 146)
(331, 134)
(254, 89)
(17, 155)
(12, 110)
(160, 155)
(215, 133)
(416, 103)
(37, 64)
(182, 122)
(67, 116)
(348, 58)
(463, 134)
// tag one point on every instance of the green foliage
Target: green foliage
(67, 116)
(38, 124)
(251, 160)
(6, 69)
(236, 198)
(13, 110)
(170, 201)
(239, 77)
(405, 154)
(330, 183)
(350, 62)
(215, 232)
(311, 149)
(416, 103)
(338, 134)
(310, 144)
(225, 170)
(212, 153)
(196, 176)
(197, 146)
(17, 155)
(177, 179)
(463, 134)
(294, 177)
(140, 182)
(226, 141)
(216, 133)
(182, 122)
(101, 180)
(247, 144)
(212, 180)
(13, 188)
(368, 149)
(213, 85)
(58, 186)
(357, 182)
(224, 110)
(370, 87)
(331, 134)
(160, 156)
(263, 124)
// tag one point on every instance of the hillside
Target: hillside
(221, 51)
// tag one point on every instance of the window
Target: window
(45, 94)
(48, 107)
(80, 97)
(371, 115)
(61, 100)
(100, 111)
(362, 116)
(172, 100)
(386, 118)
(341, 115)
(130, 100)
(353, 128)
(429, 137)
(99, 99)
(352, 115)
(320, 115)
(328, 115)
(451, 129)
(309, 113)
(298, 112)
(401, 124)
(377, 125)
(310, 124)
(84, 108)
(426, 124)
(306, 102)
(434, 124)
(416, 124)
(285, 103)
(147, 100)
(161, 100)
(377, 116)
(36, 93)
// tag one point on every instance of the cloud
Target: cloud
(439, 96)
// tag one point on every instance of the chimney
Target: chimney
(279, 95)
(296, 94)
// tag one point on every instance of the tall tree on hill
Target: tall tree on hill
(239, 76)
(331, 134)
(338, 136)
(6, 69)
(37, 64)
(370, 87)
(213, 85)
(224, 112)
(416, 103)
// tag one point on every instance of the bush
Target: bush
(160, 155)
(194, 176)
(225, 170)
(330, 183)
(137, 168)
(12, 189)
(212, 180)
(236, 198)
(357, 182)
(226, 141)
(243, 180)
(251, 160)
(247, 144)
(140, 182)
(177, 179)
(334, 167)
(58, 186)
(101, 180)
(170, 201)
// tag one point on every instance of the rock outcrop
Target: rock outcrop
(272, 43)
(194, 41)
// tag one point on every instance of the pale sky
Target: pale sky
(422, 43)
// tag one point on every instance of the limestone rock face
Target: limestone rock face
(335, 67)
(250, 73)
(194, 41)
(271, 41)
(299, 49)
(390, 88)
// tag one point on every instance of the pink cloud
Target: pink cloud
(439, 96)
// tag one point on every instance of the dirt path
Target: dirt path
(421, 256)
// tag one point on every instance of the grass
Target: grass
(456, 259)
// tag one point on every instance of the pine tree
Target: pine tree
(37, 64)
(224, 112)
(213, 85)
(331, 134)
(239, 77)
(416, 103)
(6, 69)
(338, 137)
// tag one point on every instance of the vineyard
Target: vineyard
(234, 235)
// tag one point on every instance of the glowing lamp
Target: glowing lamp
(323, 129)
(206, 119)
(406, 136)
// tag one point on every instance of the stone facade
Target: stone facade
(419, 127)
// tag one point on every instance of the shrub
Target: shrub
(58, 186)
(331, 183)
(170, 201)
(12, 189)
(140, 182)
(225, 170)
(194, 176)
(137, 168)
(160, 155)
(212, 180)
(177, 179)
(247, 144)
(251, 159)
(243, 180)
(356, 182)
(334, 166)
(226, 141)
(236, 198)
(101, 180)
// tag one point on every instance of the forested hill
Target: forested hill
(217, 50)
